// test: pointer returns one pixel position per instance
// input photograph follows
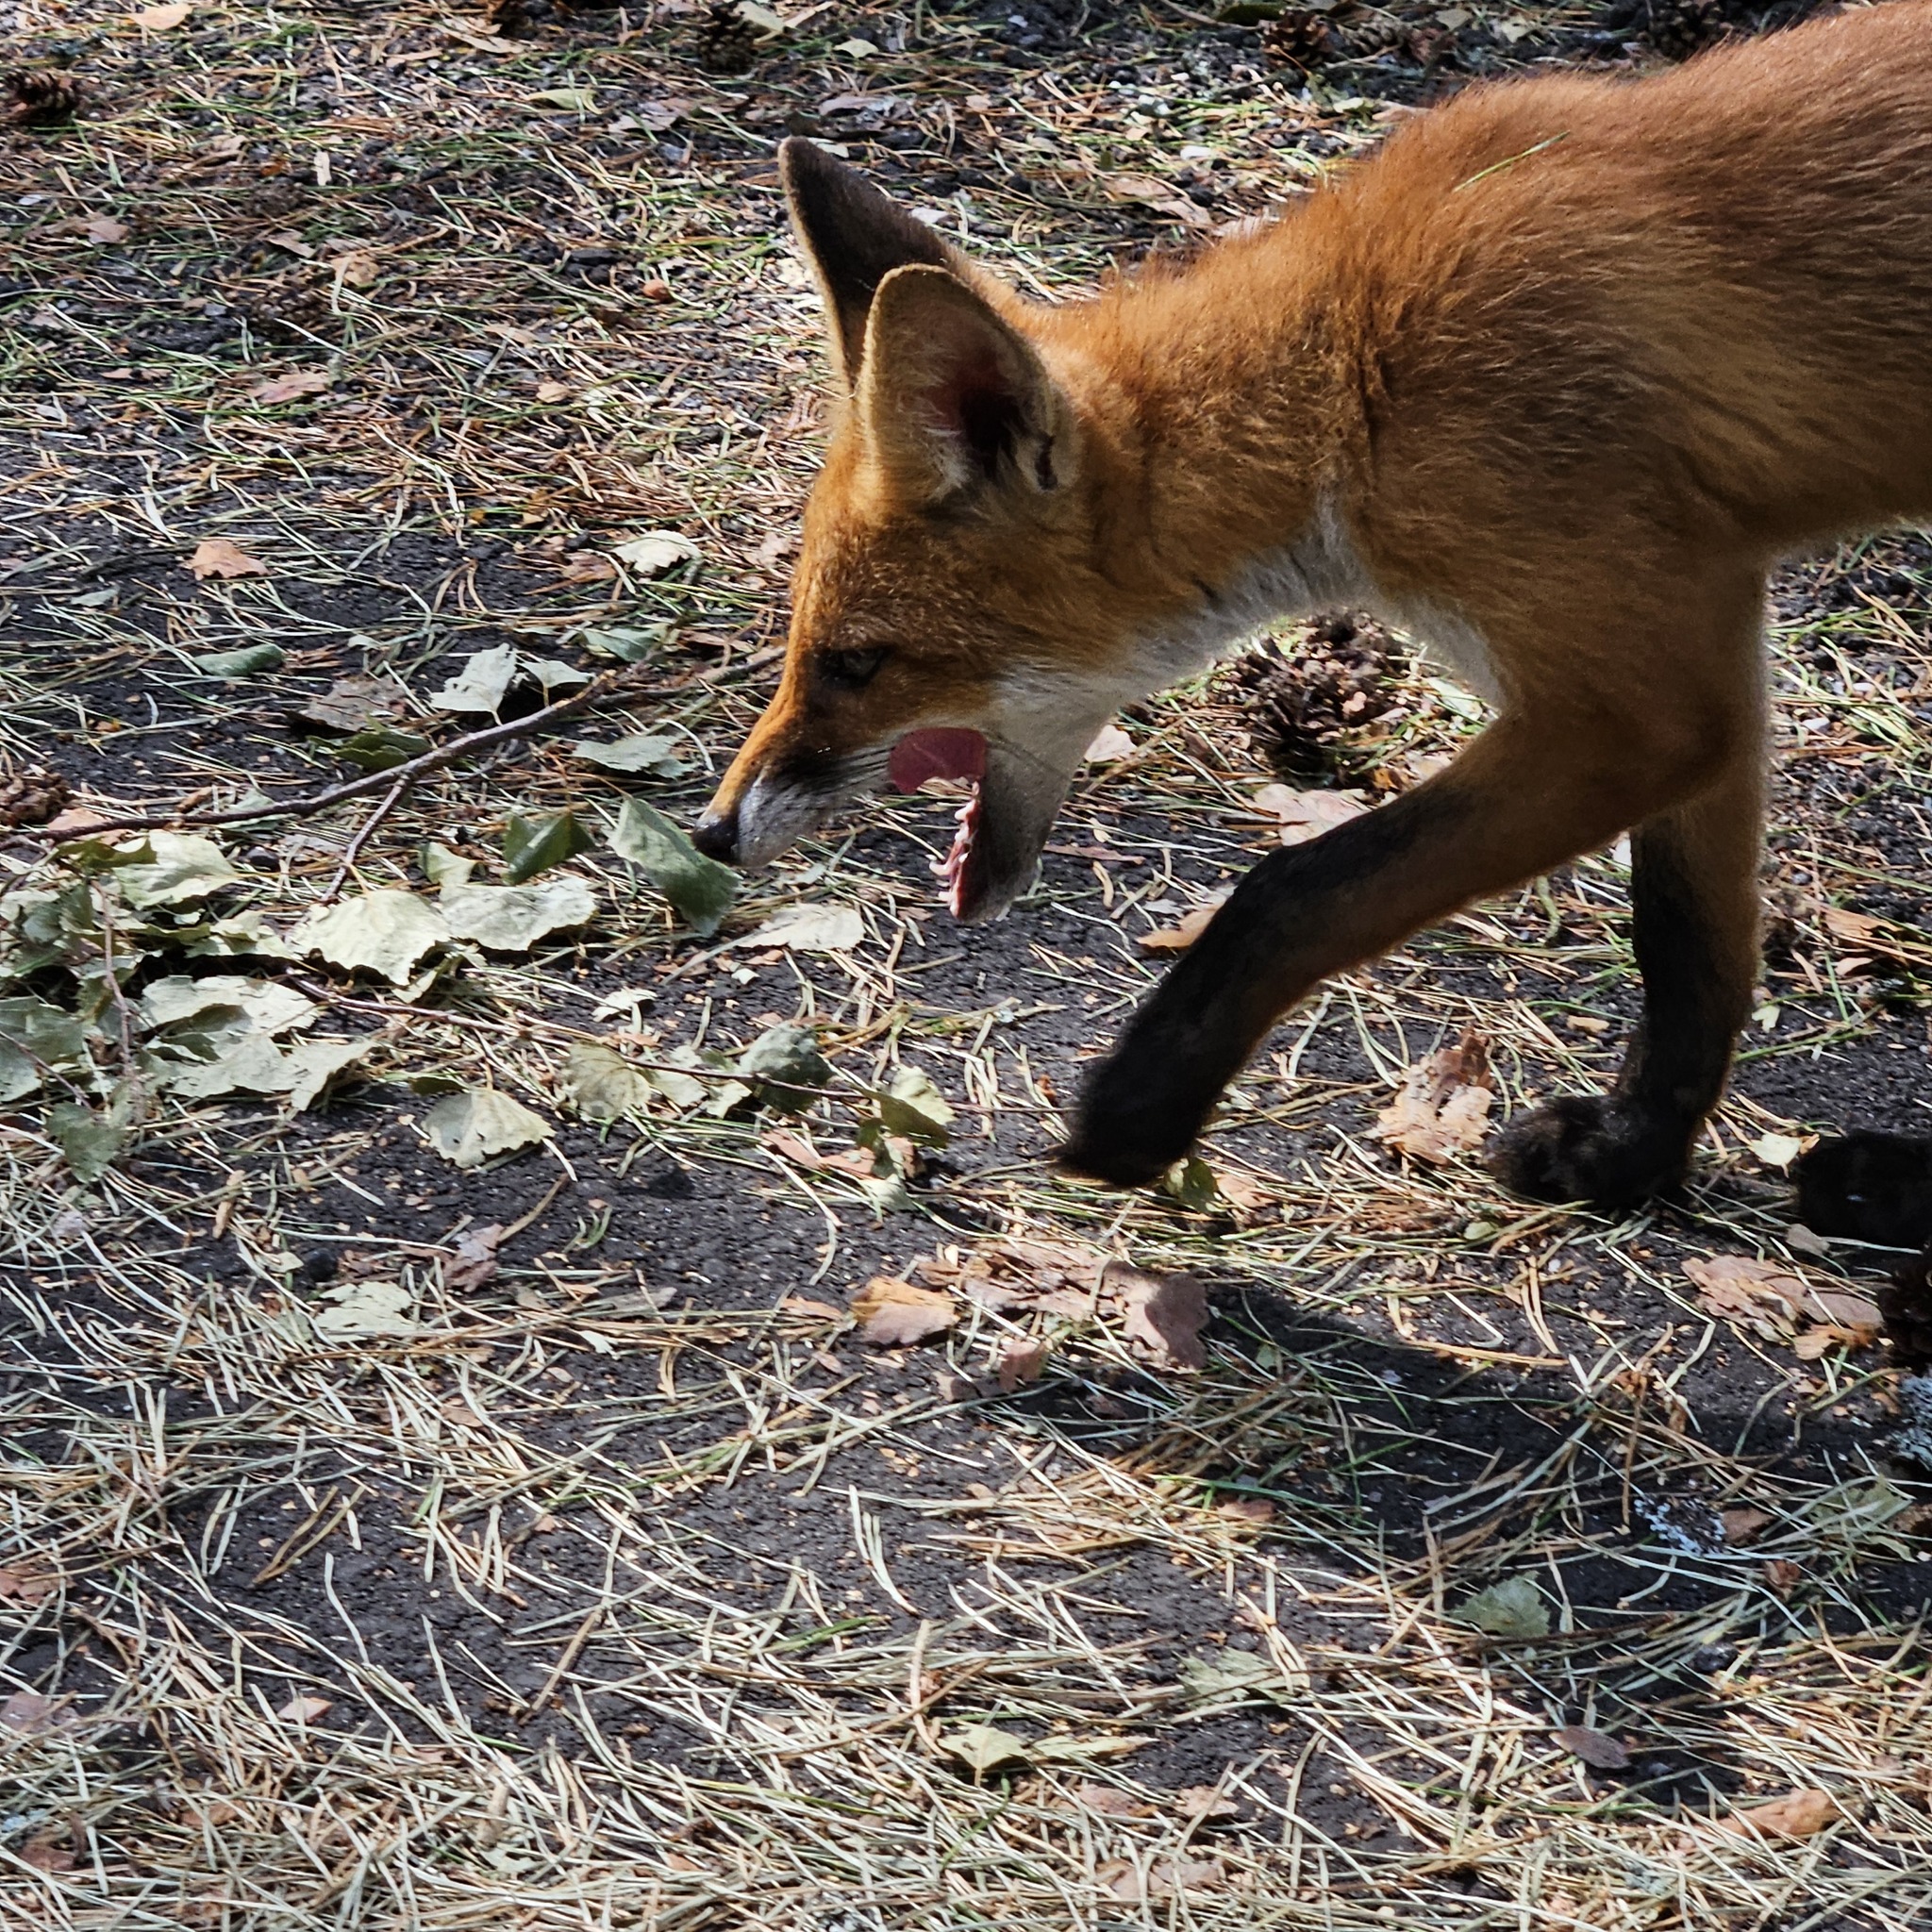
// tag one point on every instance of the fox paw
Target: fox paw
(1124, 1136)
(1589, 1147)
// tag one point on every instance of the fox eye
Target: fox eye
(851, 669)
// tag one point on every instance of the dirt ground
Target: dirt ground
(535, 1541)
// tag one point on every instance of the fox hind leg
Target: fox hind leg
(1694, 904)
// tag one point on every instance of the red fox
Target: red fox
(1550, 382)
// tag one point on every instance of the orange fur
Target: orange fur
(1555, 377)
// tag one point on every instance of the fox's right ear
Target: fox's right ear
(854, 237)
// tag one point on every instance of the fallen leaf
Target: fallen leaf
(912, 1108)
(1248, 1198)
(289, 386)
(1783, 1576)
(1163, 1314)
(1855, 929)
(355, 703)
(104, 230)
(86, 1142)
(810, 929)
(603, 1085)
(468, 1128)
(1799, 1814)
(1514, 1607)
(656, 552)
(218, 557)
(1109, 744)
(305, 1711)
(386, 931)
(37, 1038)
(442, 867)
(1233, 1676)
(1780, 1150)
(643, 751)
(893, 1313)
(159, 20)
(1206, 1803)
(173, 869)
(29, 1712)
(1597, 1749)
(1300, 816)
(1020, 1362)
(358, 268)
(700, 889)
(1110, 1802)
(1246, 1509)
(785, 1068)
(1740, 1525)
(472, 1263)
(19, 1585)
(1178, 939)
(46, 1855)
(511, 919)
(805, 1305)
(1442, 1109)
(551, 391)
(366, 1309)
(482, 683)
(245, 662)
(574, 100)
(1772, 1298)
(272, 1007)
(982, 1748)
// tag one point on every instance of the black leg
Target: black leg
(1693, 888)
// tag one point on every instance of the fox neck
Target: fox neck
(1231, 427)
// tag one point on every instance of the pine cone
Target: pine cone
(727, 42)
(1298, 37)
(1305, 707)
(40, 97)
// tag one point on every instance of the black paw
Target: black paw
(1126, 1131)
(1589, 1147)
(1870, 1187)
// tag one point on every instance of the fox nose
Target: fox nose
(716, 835)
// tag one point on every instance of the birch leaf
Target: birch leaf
(511, 919)
(700, 888)
(481, 684)
(469, 1128)
(386, 931)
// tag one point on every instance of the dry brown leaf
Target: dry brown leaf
(1178, 939)
(1304, 815)
(1163, 1314)
(103, 228)
(305, 1711)
(805, 1304)
(294, 383)
(217, 557)
(1597, 1749)
(1248, 1198)
(35, 1715)
(1110, 1802)
(1111, 743)
(1205, 1803)
(551, 391)
(1246, 1509)
(358, 268)
(1122, 1878)
(20, 1585)
(1021, 1362)
(1442, 1109)
(1798, 1814)
(159, 20)
(473, 1263)
(45, 1854)
(1783, 1576)
(1773, 1298)
(892, 1312)
(1740, 1525)
(1854, 929)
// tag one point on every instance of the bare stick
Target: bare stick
(608, 684)
(361, 838)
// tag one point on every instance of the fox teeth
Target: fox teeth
(952, 869)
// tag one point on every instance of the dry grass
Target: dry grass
(736, 1598)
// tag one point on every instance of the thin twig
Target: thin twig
(608, 684)
(361, 839)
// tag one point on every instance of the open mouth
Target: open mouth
(947, 754)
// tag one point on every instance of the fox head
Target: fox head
(976, 592)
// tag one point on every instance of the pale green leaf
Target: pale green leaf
(35, 1037)
(604, 1086)
(481, 684)
(88, 1143)
(785, 1066)
(386, 931)
(810, 929)
(534, 845)
(243, 663)
(644, 751)
(656, 552)
(511, 919)
(471, 1127)
(442, 867)
(183, 866)
(982, 1748)
(380, 748)
(1514, 1607)
(272, 1008)
(366, 1309)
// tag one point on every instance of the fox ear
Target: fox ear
(854, 237)
(952, 397)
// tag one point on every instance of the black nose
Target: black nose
(716, 836)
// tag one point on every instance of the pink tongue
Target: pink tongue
(922, 754)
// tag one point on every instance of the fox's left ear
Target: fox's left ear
(954, 398)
